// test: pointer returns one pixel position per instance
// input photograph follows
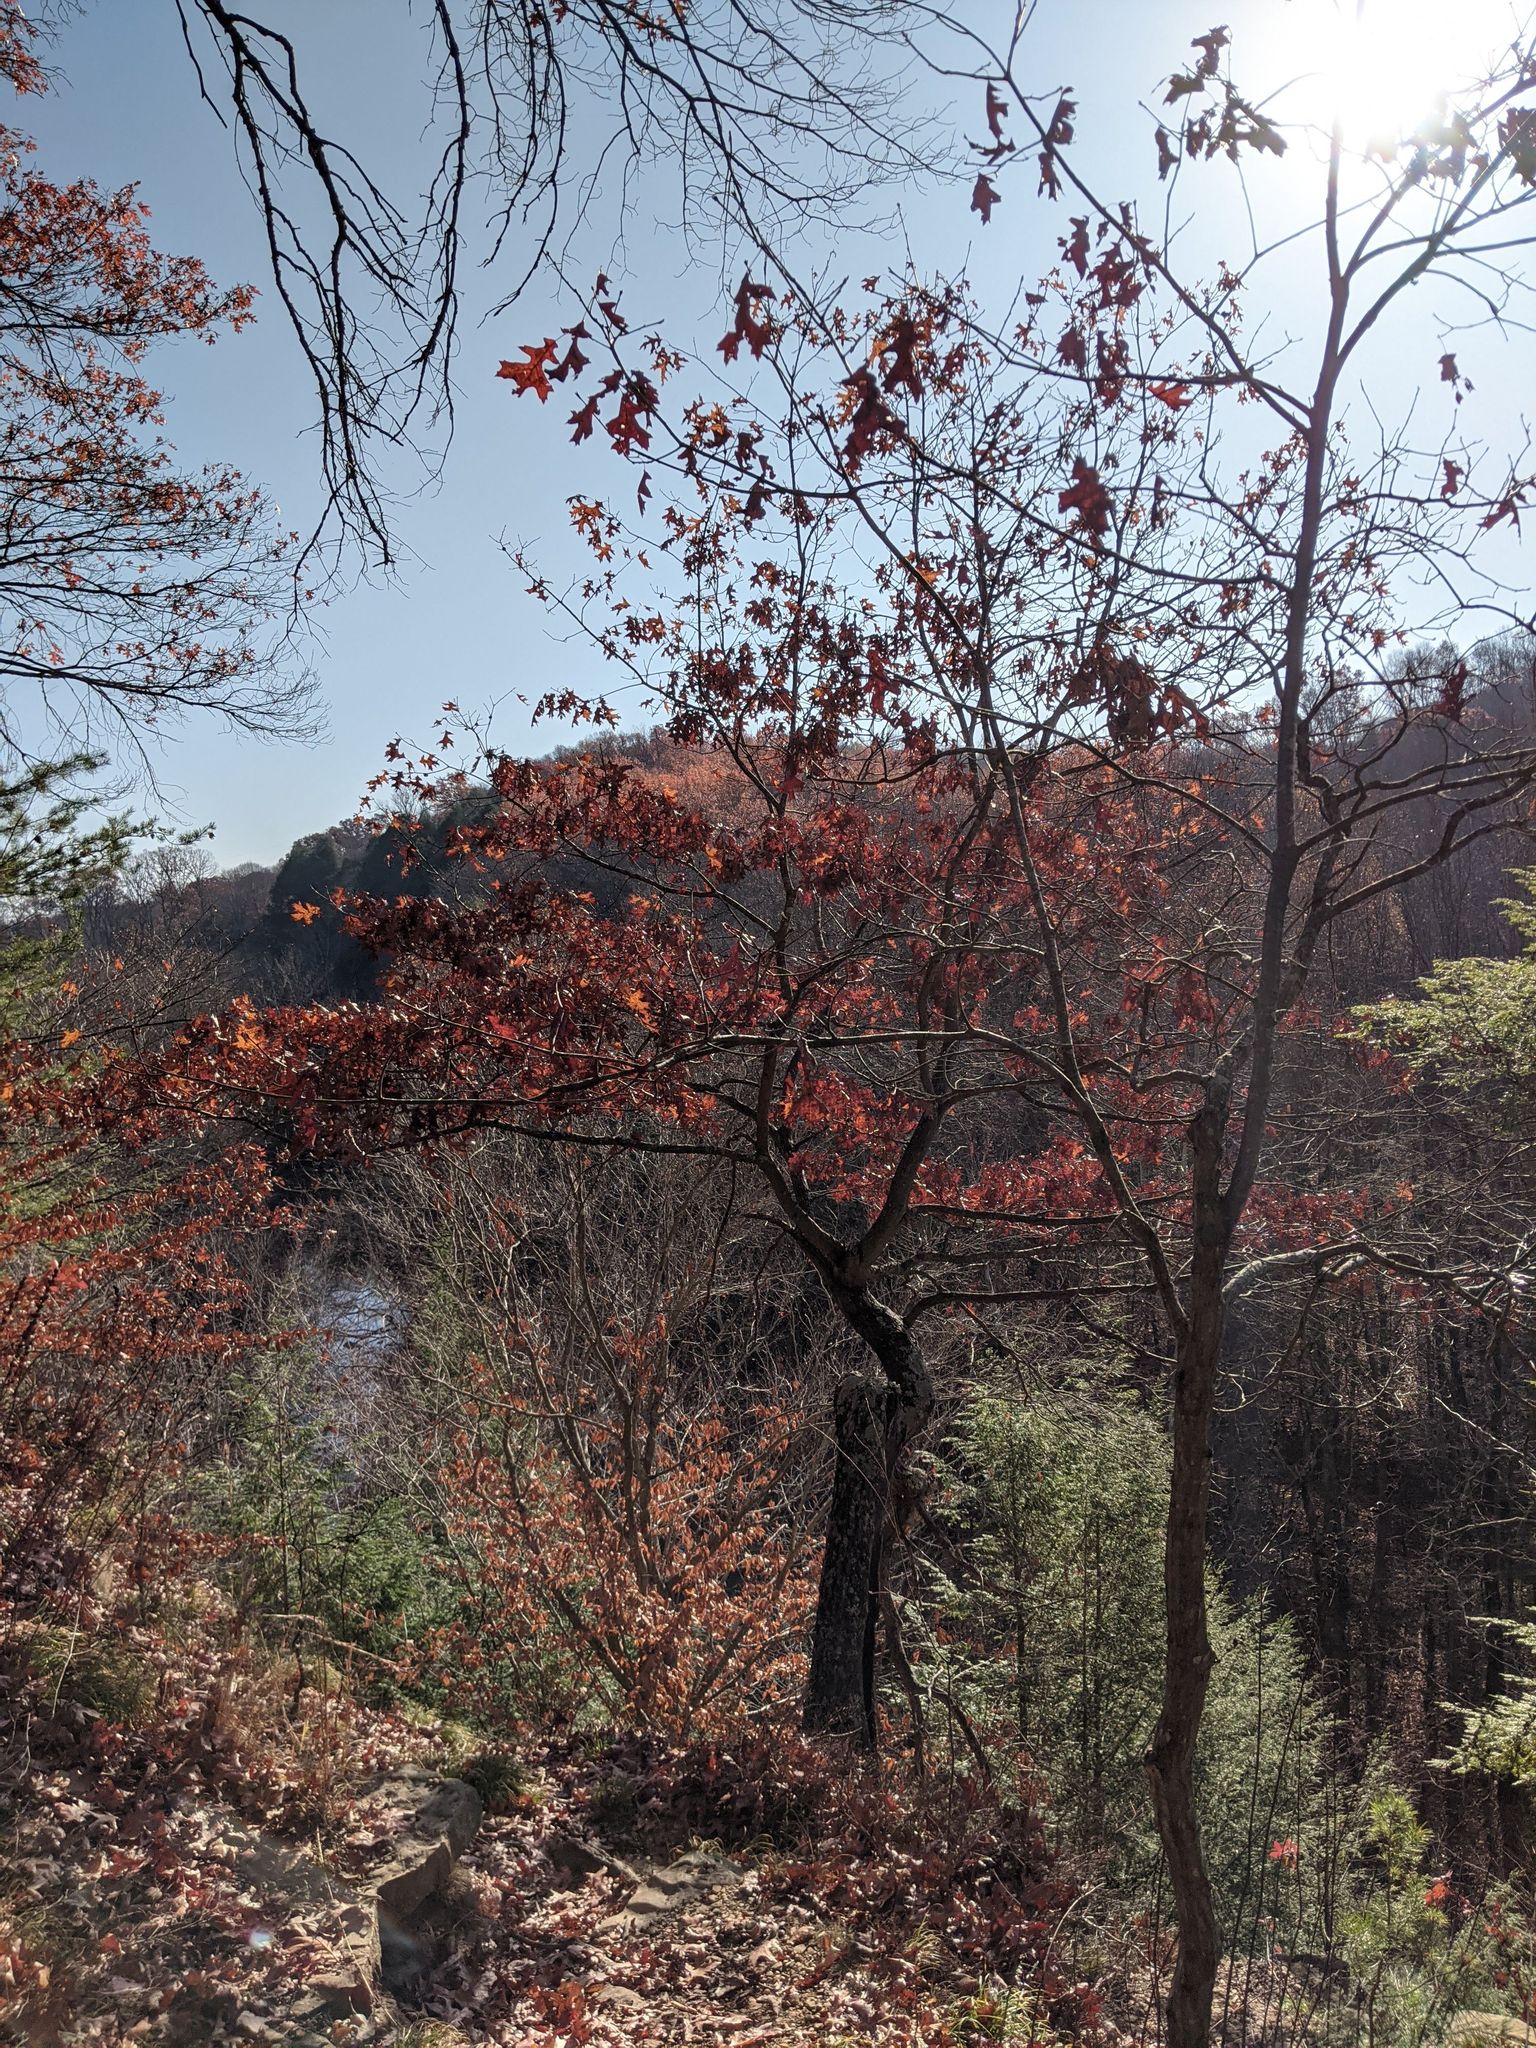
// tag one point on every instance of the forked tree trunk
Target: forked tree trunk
(873, 1422)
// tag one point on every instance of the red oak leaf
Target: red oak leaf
(749, 326)
(1087, 497)
(532, 375)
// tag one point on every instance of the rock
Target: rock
(192, 2019)
(380, 1946)
(683, 1883)
(444, 1814)
(618, 1997)
(579, 1858)
(403, 1960)
(440, 1819)
(347, 1992)
(275, 1870)
(1487, 2030)
(355, 1923)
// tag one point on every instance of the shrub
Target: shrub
(606, 1573)
(94, 1672)
(311, 1545)
(499, 1778)
(119, 1309)
(1045, 1630)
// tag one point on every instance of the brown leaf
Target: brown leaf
(532, 374)
(1087, 497)
(984, 196)
(748, 326)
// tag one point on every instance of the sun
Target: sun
(1383, 67)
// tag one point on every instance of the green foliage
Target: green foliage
(1055, 1636)
(312, 1537)
(1047, 1633)
(49, 859)
(1053, 1630)
(499, 1778)
(45, 856)
(1472, 1023)
(1500, 1739)
(92, 1671)
(1414, 1949)
(1000, 2015)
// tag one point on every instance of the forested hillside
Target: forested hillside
(843, 1350)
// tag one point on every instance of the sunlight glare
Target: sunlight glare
(1384, 67)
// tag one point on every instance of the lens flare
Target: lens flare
(1384, 67)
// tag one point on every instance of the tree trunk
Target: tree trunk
(840, 1696)
(1170, 1756)
(1186, 1675)
(873, 1422)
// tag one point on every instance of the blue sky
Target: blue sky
(454, 622)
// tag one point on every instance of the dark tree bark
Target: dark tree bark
(873, 1422)
(840, 1694)
(1170, 1756)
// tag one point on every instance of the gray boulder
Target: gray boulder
(683, 1883)
(442, 1815)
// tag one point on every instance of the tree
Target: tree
(131, 592)
(1472, 1023)
(119, 1304)
(784, 862)
(45, 858)
(1255, 611)
(1029, 747)
(307, 875)
(766, 116)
